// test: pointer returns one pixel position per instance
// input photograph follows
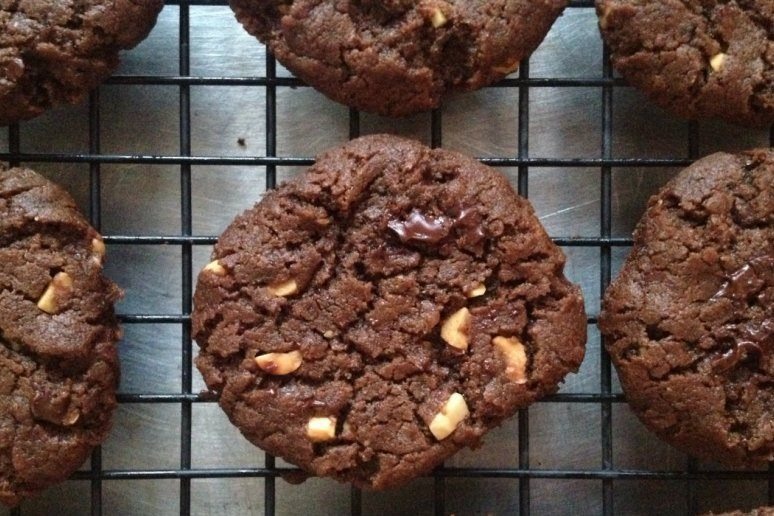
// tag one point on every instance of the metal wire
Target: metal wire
(607, 473)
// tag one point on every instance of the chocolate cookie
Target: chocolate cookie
(58, 362)
(689, 322)
(386, 308)
(398, 57)
(760, 511)
(696, 58)
(54, 52)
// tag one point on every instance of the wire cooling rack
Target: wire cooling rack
(604, 482)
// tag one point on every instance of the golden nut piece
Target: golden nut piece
(603, 19)
(438, 19)
(507, 68)
(71, 418)
(98, 251)
(476, 291)
(279, 363)
(512, 350)
(98, 248)
(284, 289)
(61, 285)
(718, 61)
(455, 329)
(452, 413)
(321, 429)
(216, 268)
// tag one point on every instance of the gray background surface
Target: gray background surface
(145, 199)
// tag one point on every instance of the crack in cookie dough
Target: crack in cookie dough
(55, 52)
(689, 323)
(697, 59)
(58, 371)
(385, 240)
(397, 58)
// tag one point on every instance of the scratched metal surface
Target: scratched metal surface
(145, 200)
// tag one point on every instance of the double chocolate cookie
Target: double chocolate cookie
(58, 361)
(689, 322)
(398, 57)
(760, 511)
(696, 58)
(54, 52)
(383, 310)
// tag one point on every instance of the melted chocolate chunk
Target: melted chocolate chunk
(424, 228)
(763, 334)
(471, 223)
(747, 339)
(748, 280)
(740, 352)
(421, 228)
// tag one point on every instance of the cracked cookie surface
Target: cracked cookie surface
(55, 52)
(58, 362)
(689, 322)
(383, 310)
(760, 511)
(696, 58)
(398, 57)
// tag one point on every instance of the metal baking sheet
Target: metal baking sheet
(588, 165)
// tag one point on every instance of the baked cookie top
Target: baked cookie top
(384, 309)
(696, 58)
(398, 57)
(55, 52)
(58, 362)
(760, 511)
(689, 322)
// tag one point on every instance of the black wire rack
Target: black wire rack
(186, 240)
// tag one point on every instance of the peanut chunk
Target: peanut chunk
(717, 61)
(280, 363)
(71, 418)
(438, 19)
(321, 429)
(455, 329)
(283, 289)
(476, 291)
(451, 415)
(216, 268)
(98, 248)
(60, 286)
(507, 68)
(603, 19)
(515, 357)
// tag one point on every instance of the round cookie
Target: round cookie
(58, 362)
(398, 57)
(54, 52)
(689, 322)
(383, 310)
(695, 58)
